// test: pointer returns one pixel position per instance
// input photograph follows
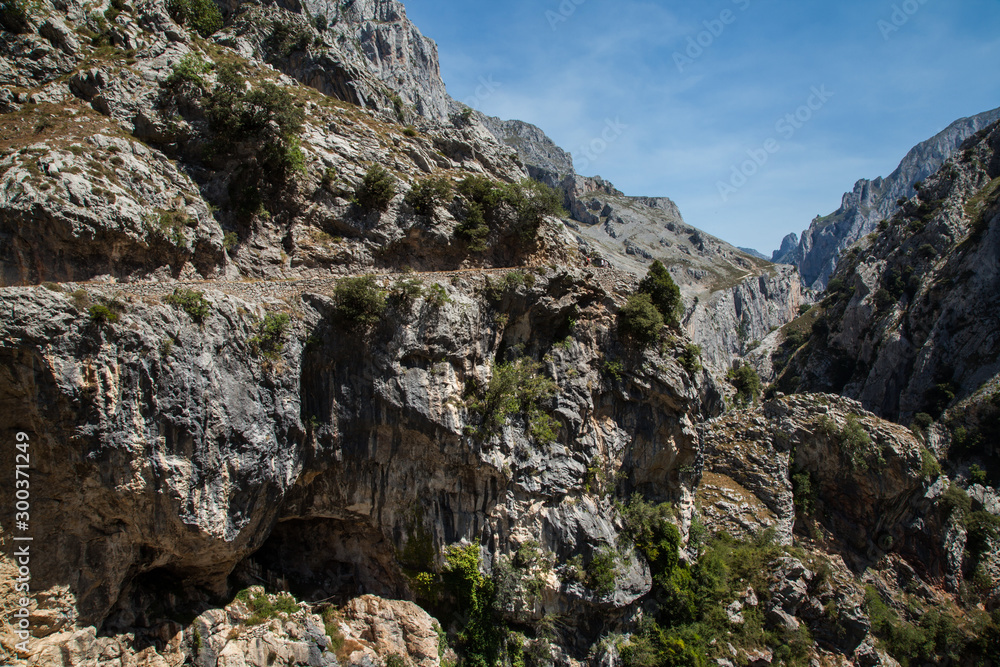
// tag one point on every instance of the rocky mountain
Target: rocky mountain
(298, 367)
(905, 328)
(817, 252)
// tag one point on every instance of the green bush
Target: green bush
(437, 296)
(102, 314)
(639, 320)
(977, 474)
(429, 193)
(690, 358)
(263, 607)
(804, 493)
(265, 119)
(955, 499)
(359, 302)
(747, 383)
(517, 388)
(663, 292)
(514, 208)
(482, 637)
(376, 190)
(269, 341)
(936, 637)
(191, 302)
(202, 15)
(188, 72)
(602, 573)
(651, 530)
(856, 443)
(930, 469)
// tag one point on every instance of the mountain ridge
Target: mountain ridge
(815, 253)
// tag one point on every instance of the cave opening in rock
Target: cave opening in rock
(324, 559)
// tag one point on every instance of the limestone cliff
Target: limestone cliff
(311, 375)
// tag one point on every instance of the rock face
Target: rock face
(148, 425)
(546, 162)
(816, 254)
(256, 363)
(908, 328)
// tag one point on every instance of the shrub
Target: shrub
(462, 118)
(437, 296)
(266, 116)
(270, 338)
(202, 15)
(410, 131)
(602, 573)
(482, 636)
(81, 299)
(230, 240)
(856, 443)
(359, 302)
(804, 493)
(955, 499)
(519, 208)
(650, 529)
(321, 23)
(102, 314)
(639, 320)
(977, 474)
(662, 291)
(930, 469)
(407, 291)
(922, 421)
(376, 190)
(517, 388)
(191, 302)
(747, 383)
(263, 607)
(188, 72)
(690, 358)
(429, 193)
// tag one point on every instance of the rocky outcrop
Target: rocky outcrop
(816, 254)
(545, 161)
(125, 178)
(192, 451)
(751, 458)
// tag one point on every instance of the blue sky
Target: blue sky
(676, 118)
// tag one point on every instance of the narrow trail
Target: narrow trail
(610, 279)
